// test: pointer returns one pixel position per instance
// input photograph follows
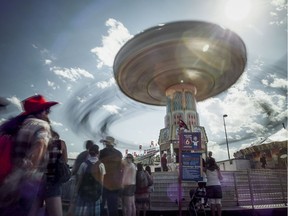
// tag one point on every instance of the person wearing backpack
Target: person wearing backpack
(89, 186)
(21, 188)
(82, 157)
(141, 193)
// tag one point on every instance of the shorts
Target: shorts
(214, 191)
(142, 199)
(52, 190)
(129, 190)
(214, 201)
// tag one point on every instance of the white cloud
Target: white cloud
(117, 36)
(72, 74)
(48, 62)
(112, 109)
(51, 84)
(279, 15)
(105, 84)
(279, 83)
(16, 102)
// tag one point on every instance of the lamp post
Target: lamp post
(224, 116)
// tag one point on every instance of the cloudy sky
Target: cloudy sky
(65, 51)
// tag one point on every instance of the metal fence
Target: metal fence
(240, 188)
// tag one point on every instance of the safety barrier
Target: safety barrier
(240, 188)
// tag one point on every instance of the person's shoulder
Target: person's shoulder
(115, 151)
(118, 152)
(82, 167)
(36, 122)
(82, 155)
(104, 150)
(62, 142)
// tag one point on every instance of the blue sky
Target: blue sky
(65, 51)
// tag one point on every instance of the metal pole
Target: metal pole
(224, 116)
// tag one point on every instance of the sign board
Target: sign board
(191, 166)
(191, 141)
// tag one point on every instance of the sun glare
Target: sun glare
(237, 10)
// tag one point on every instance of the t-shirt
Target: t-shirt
(129, 173)
(212, 178)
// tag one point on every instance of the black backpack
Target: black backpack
(90, 189)
(141, 179)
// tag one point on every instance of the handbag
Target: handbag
(62, 171)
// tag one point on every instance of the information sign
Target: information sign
(191, 166)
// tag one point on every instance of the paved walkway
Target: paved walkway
(261, 210)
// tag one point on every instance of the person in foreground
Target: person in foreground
(213, 186)
(22, 189)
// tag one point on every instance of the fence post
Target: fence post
(282, 189)
(235, 187)
(250, 188)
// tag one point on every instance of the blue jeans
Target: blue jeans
(111, 196)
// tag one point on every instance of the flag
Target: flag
(182, 124)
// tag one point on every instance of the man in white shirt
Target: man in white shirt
(129, 186)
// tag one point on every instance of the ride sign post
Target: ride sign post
(190, 160)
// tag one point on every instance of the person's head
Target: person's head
(88, 144)
(38, 106)
(211, 164)
(164, 155)
(148, 169)
(109, 141)
(55, 135)
(130, 158)
(210, 154)
(94, 150)
(140, 166)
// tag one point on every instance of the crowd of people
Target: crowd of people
(30, 184)
(120, 179)
(103, 176)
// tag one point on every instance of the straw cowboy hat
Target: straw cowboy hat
(108, 140)
(35, 104)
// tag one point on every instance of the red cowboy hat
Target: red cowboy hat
(36, 104)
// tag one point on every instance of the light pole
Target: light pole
(224, 116)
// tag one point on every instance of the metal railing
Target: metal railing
(240, 188)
